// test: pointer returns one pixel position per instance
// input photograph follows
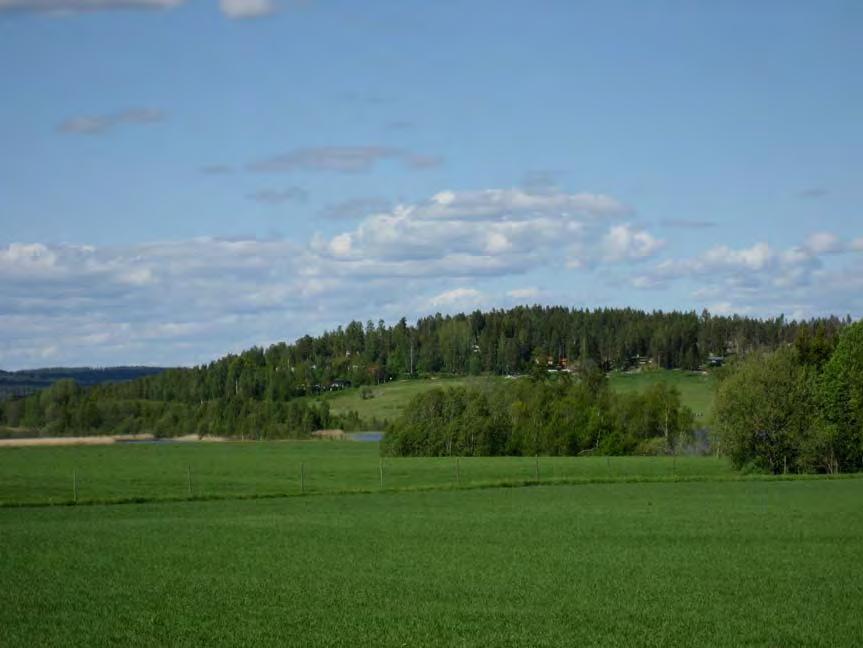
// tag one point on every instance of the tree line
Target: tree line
(542, 415)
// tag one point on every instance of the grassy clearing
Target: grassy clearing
(677, 564)
(40, 475)
(391, 398)
(696, 390)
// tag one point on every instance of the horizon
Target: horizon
(295, 166)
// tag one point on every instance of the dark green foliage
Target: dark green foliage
(799, 408)
(841, 397)
(65, 410)
(538, 416)
(764, 410)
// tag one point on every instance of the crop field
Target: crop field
(757, 563)
(42, 475)
(389, 399)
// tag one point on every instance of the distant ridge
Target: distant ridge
(29, 381)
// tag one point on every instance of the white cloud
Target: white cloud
(623, 242)
(23, 258)
(457, 297)
(763, 278)
(239, 9)
(465, 233)
(823, 243)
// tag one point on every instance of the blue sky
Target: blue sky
(184, 178)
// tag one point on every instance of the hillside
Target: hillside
(272, 392)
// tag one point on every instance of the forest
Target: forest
(258, 393)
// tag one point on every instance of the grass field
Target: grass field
(696, 390)
(391, 398)
(663, 564)
(161, 471)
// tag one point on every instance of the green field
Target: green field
(254, 469)
(756, 563)
(389, 399)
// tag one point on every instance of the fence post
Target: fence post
(302, 478)
(536, 467)
(457, 471)
(189, 476)
(75, 485)
(381, 469)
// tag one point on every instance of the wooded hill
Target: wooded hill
(247, 394)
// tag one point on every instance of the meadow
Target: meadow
(389, 399)
(757, 563)
(696, 388)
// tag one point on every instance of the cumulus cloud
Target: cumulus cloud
(279, 196)
(824, 243)
(190, 301)
(241, 9)
(341, 159)
(77, 6)
(623, 242)
(463, 233)
(99, 124)
(763, 277)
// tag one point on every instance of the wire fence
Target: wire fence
(223, 476)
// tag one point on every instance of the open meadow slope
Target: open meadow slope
(696, 387)
(673, 564)
(389, 399)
